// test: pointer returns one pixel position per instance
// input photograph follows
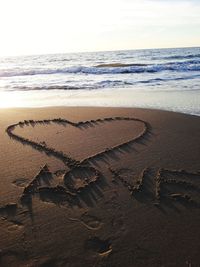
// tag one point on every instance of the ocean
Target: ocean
(166, 79)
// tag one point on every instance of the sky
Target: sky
(62, 26)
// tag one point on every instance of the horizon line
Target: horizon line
(96, 51)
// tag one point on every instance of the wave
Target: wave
(118, 68)
(117, 65)
(161, 80)
(178, 57)
(59, 60)
(47, 87)
(101, 84)
(89, 86)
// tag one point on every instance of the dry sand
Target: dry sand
(99, 187)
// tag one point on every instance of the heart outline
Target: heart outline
(69, 161)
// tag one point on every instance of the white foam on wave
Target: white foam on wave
(163, 78)
(192, 65)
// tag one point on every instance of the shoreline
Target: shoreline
(97, 107)
(186, 102)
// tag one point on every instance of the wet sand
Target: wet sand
(99, 187)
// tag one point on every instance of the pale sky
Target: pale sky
(56, 26)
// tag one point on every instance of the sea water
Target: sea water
(166, 79)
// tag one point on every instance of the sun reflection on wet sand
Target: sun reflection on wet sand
(10, 99)
(179, 101)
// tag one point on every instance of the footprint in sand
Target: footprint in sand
(21, 182)
(15, 225)
(89, 221)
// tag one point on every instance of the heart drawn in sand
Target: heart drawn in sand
(78, 142)
(94, 138)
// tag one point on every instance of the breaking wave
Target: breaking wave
(110, 68)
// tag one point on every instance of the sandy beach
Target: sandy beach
(95, 187)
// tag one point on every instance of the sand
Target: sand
(99, 187)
